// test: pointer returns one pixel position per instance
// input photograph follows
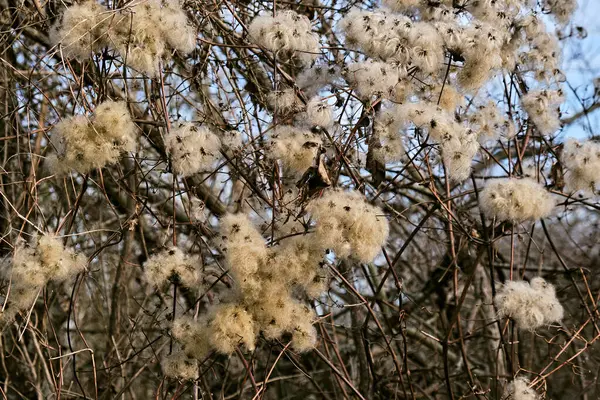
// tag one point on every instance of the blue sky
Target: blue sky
(581, 64)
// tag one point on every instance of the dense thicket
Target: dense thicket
(296, 200)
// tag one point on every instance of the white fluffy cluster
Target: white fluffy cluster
(237, 324)
(45, 259)
(288, 32)
(280, 313)
(582, 160)
(141, 33)
(479, 44)
(534, 49)
(192, 148)
(519, 389)
(561, 9)
(82, 30)
(173, 264)
(449, 97)
(543, 107)
(313, 79)
(530, 305)
(431, 55)
(231, 139)
(268, 279)
(458, 143)
(348, 225)
(395, 38)
(284, 101)
(374, 78)
(232, 325)
(298, 260)
(489, 123)
(386, 133)
(192, 336)
(83, 144)
(485, 36)
(398, 39)
(318, 113)
(402, 5)
(295, 147)
(245, 251)
(180, 366)
(265, 279)
(516, 200)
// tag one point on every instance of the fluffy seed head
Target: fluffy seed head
(315, 78)
(458, 143)
(137, 36)
(84, 144)
(401, 5)
(276, 313)
(141, 33)
(175, 27)
(530, 305)
(35, 264)
(519, 389)
(387, 140)
(515, 200)
(304, 334)
(180, 366)
(81, 30)
(284, 101)
(295, 147)
(318, 113)
(373, 78)
(543, 107)
(562, 10)
(349, 225)
(449, 98)
(489, 124)
(286, 32)
(245, 251)
(58, 263)
(173, 264)
(582, 161)
(192, 335)
(192, 148)
(395, 39)
(298, 261)
(231, 326)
